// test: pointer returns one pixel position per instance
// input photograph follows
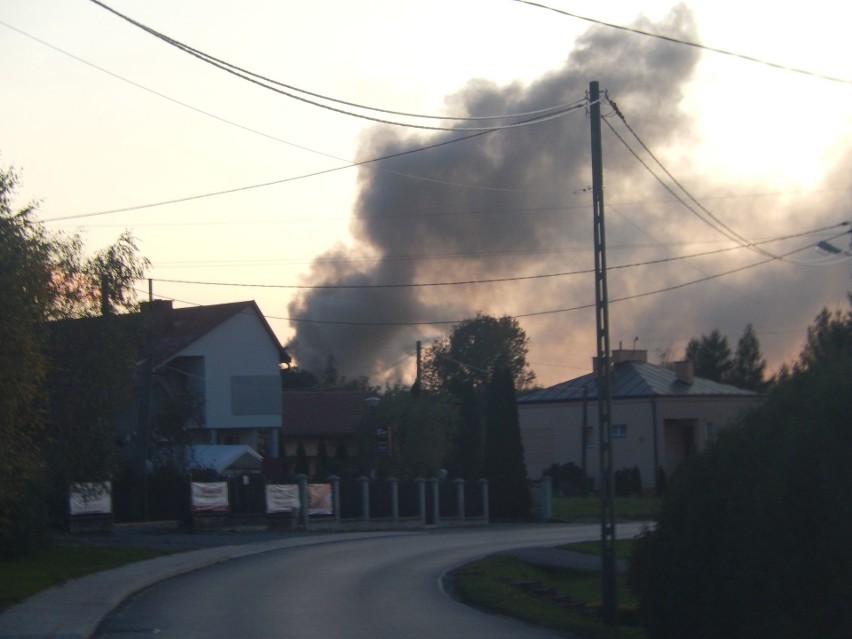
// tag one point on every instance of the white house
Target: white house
(659, 416)
(217, 368)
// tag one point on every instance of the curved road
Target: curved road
(386, 586)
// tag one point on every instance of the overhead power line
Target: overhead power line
(689, 43)
(526, 118)
(702, 213)
(496, 280)
(665, 289)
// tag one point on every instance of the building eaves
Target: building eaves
(633, 380)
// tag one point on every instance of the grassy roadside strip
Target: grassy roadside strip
(500, 583)
(572, 509)
(58, 563)
(496, 582)
(550, 598)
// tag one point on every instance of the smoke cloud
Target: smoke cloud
(516, 203)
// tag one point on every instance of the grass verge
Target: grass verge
(24, 576)
(563, 600)
(631, 508)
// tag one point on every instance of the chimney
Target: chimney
(622, 355)
(684, 372)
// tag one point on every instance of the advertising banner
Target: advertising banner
(319, 499)
(282, 498)
(90, 498)
(210, 496)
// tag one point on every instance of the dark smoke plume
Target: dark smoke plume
(515, 203)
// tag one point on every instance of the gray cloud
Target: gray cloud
(511, 203)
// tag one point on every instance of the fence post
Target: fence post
(483, 485)
(459, 482)
(335, 498)
(303, 499)
(394, 488)
(546, 497)
(365, 497)
(421, 499)
(436, 500)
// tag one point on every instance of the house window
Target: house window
(619, 431)
(589, 437)
(256, 395)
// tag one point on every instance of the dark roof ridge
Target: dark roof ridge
(634, 380)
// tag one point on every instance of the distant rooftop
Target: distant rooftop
(315, 413)
(635, 379)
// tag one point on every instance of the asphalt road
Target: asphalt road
(385, 587)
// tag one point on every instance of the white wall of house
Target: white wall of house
(647, 432)
(240, 355)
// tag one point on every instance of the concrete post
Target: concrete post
(421, 499)
(546, 510)
(303, 500)
(436, 500)
(335, 497)
(394, 488)
(365, 497)
(483, 485)
(459, 482)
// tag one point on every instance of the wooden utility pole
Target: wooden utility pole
(609, 596)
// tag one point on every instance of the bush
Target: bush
(628, 481)
(568, 479)
(753, 535)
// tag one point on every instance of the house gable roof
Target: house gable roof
(633, 380)
(174, 329)
(318, 413)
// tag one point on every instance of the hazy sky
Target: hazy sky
(98, 115)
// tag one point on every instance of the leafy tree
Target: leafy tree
(508, 489)
(828, 338)
(462, 365)
(711, 356)
(474, 349)
(421, 429)
(752, 537)
(465, 456)
(749, 366)
(90, 384)
(45, 277)
(295, 378)
(27, 292)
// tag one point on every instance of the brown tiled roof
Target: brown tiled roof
(316, 413)
(167, 330)
(176, 328)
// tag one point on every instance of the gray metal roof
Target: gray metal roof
(634, 380)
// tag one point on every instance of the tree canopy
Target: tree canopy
(505, 469)
(474, 349)
(752, 538)
(712, 358)
(50, 397)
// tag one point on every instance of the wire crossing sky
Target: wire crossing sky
(358, 236)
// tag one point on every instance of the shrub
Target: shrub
(752, 538)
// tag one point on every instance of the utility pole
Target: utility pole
(415, 389)
(609, 597)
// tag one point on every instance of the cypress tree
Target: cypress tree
(509, 495)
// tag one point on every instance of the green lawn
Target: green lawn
(25, 576)
(497, 583)
(579, 508)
